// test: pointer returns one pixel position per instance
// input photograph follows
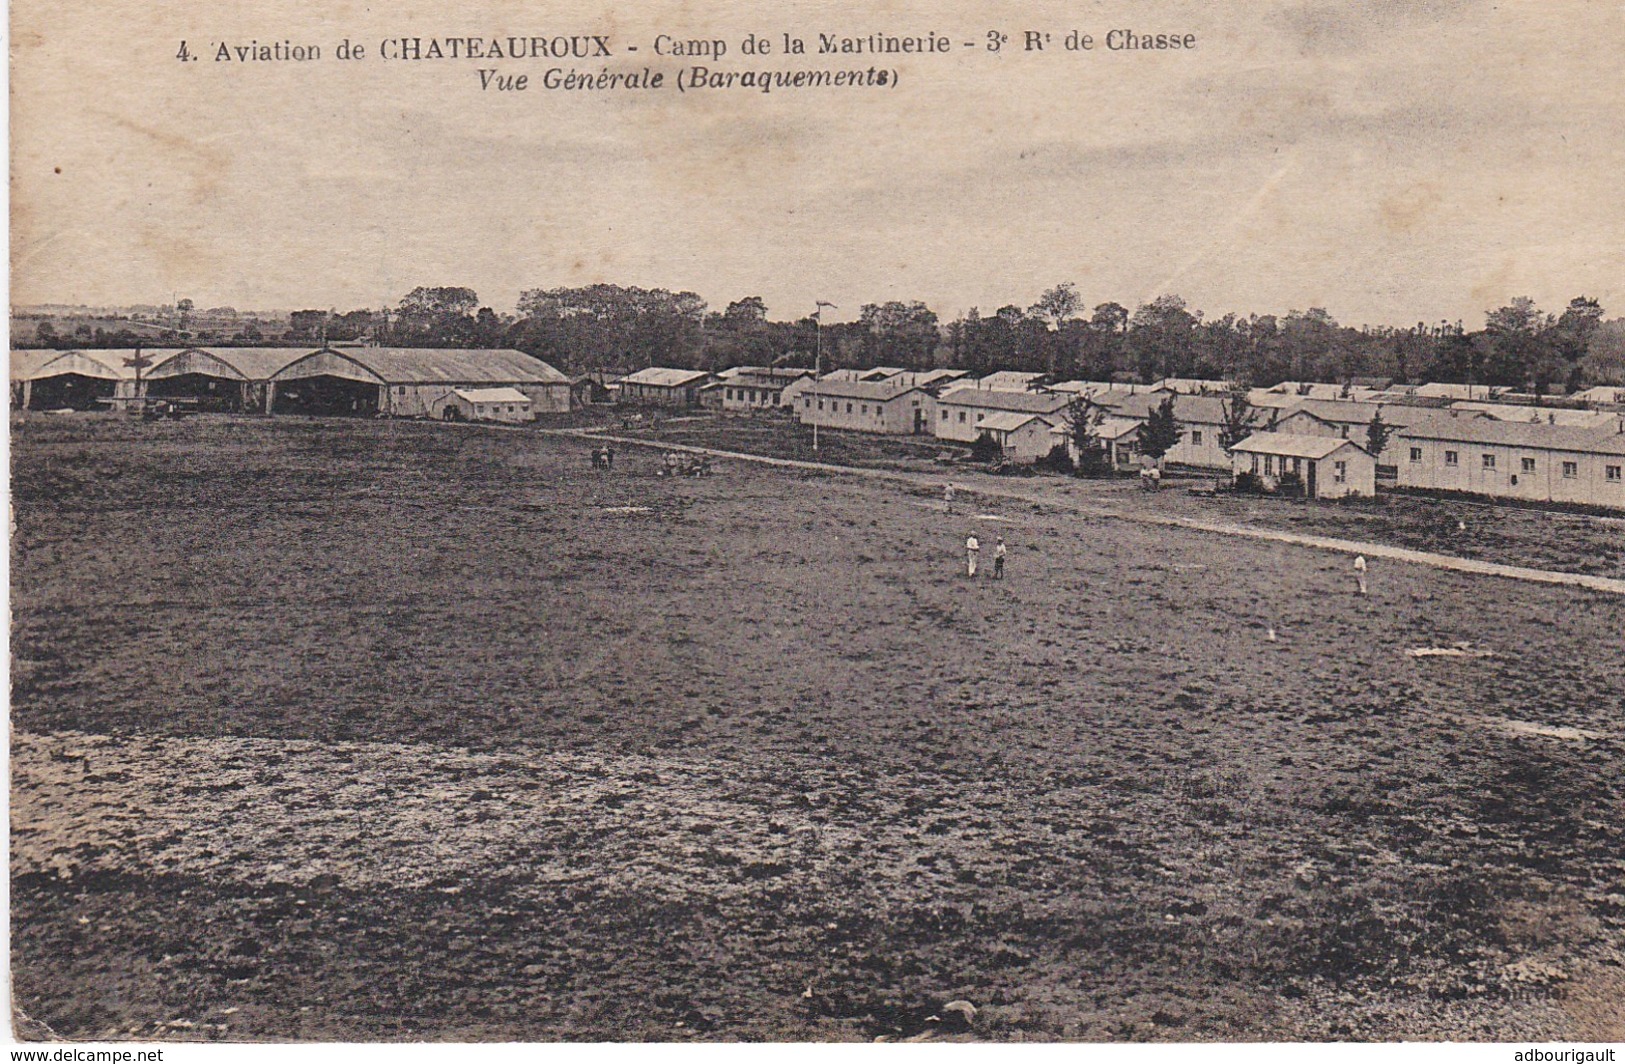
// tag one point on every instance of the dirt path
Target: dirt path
(1223, 528)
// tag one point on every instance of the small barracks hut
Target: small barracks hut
(487, 404)
(1021, 437)
(663, 386)
(1328, 467)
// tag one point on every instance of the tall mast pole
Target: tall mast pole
(818, 354)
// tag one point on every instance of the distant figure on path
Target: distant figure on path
(1359, 571)
(973, 547)
(948, 500)
(609, 457)
(998, 559)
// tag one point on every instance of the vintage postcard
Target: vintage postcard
(916, 522)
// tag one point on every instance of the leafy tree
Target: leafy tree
(901, 334)
(1082, 419)
(1161, 338)
(1058, 343)
(490, 330)
(306, 324)
(1571, 337)
(741, 335)
(1104, 342)
(356, 324)
(1162, 431)
(1310, 342)
(1223, 348)
(1520, 349)
(1240, 420)
(1110, 318)
(745, 314)
(432, 317)
(1058, 304)
(610, 327)
(1377, 434)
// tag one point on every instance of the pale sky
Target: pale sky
(1390, 161)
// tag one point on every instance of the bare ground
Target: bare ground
(1541, 539)
(348, 730)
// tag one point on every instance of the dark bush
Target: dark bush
(1059, 460)
(1095, 462)
(986, 449)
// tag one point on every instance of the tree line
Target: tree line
(608, 328)
(613, 328)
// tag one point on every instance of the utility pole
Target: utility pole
(137, 362)
(818, 354)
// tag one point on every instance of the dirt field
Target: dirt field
(1564, 542)
(390, 730)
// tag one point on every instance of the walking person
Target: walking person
(948, 498)
(1359, 571)
(998, 559)
(609, 457)
(973, 548)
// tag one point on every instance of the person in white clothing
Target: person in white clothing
(1359, 571)
(973, 547)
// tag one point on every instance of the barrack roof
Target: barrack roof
(1007, 421)
(664, 377)
(995, 399)
(491, 395)
(882, 391)
(1294, 446)
(1486, 430)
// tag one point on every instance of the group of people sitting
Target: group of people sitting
(674, 464)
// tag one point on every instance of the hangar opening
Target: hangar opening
(419, 382)
(326, 396)
(69, 391)
(213, 394)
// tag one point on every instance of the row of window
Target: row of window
(750, 395)
(1571, 469)
(1340, 470)
(863, 408)
(835, 408)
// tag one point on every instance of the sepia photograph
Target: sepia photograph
(905, 523)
